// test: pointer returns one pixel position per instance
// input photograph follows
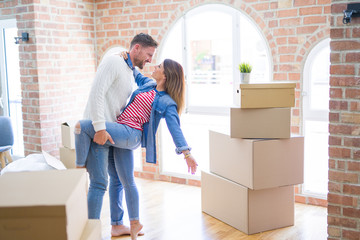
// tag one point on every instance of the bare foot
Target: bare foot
(119, 230)
(135, 228)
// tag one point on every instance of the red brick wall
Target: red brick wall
(291, 28)
(69, 37)
(344, 140)
(57, 65)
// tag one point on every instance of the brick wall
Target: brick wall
(69, 37)
(291, 27)
(344, 140)
(57, 65)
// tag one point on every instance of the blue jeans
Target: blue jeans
(121, 172)
(123, 136)
(119, 163)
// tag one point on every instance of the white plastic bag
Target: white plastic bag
(34, 162)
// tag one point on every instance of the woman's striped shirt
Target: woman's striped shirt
(138, 112)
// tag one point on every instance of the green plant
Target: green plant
(245, 67)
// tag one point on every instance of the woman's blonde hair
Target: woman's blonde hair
(175, 83)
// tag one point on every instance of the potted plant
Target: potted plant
(245, 70)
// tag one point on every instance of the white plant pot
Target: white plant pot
(244, 77)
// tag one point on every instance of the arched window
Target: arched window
(210, 41)
(315, 119)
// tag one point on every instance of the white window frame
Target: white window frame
(222, 111)
(4, 98)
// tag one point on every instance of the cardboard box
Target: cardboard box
(250, 211)
(270, 95)
(67, 134)
(260, 123)
(92, 230)
(257, 163)
(68, 157)
(43, 205)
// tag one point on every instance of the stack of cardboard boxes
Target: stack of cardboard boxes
(67, 151)
(253, 169)
(43, 205)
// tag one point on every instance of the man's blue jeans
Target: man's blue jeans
(120, 165)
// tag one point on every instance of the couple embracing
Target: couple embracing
(113, 128)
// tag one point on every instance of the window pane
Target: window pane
(254, 50)
(196, 131)
(316, 112)
(210, 65)
(316, 160)
(172, 47)
(320, 72)
(138, 159)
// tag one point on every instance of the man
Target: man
(110, 90)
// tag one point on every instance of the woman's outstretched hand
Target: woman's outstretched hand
(192, 164)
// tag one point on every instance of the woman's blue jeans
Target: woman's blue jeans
(118, 160)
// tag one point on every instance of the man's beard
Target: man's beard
(139, 64)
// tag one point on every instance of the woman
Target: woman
(153, 100)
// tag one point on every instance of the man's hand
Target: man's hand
(102, 136)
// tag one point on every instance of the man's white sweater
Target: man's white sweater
(110, 90)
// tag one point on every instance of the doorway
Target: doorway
(10, 88)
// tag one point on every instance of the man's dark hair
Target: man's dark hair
(144, 40)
